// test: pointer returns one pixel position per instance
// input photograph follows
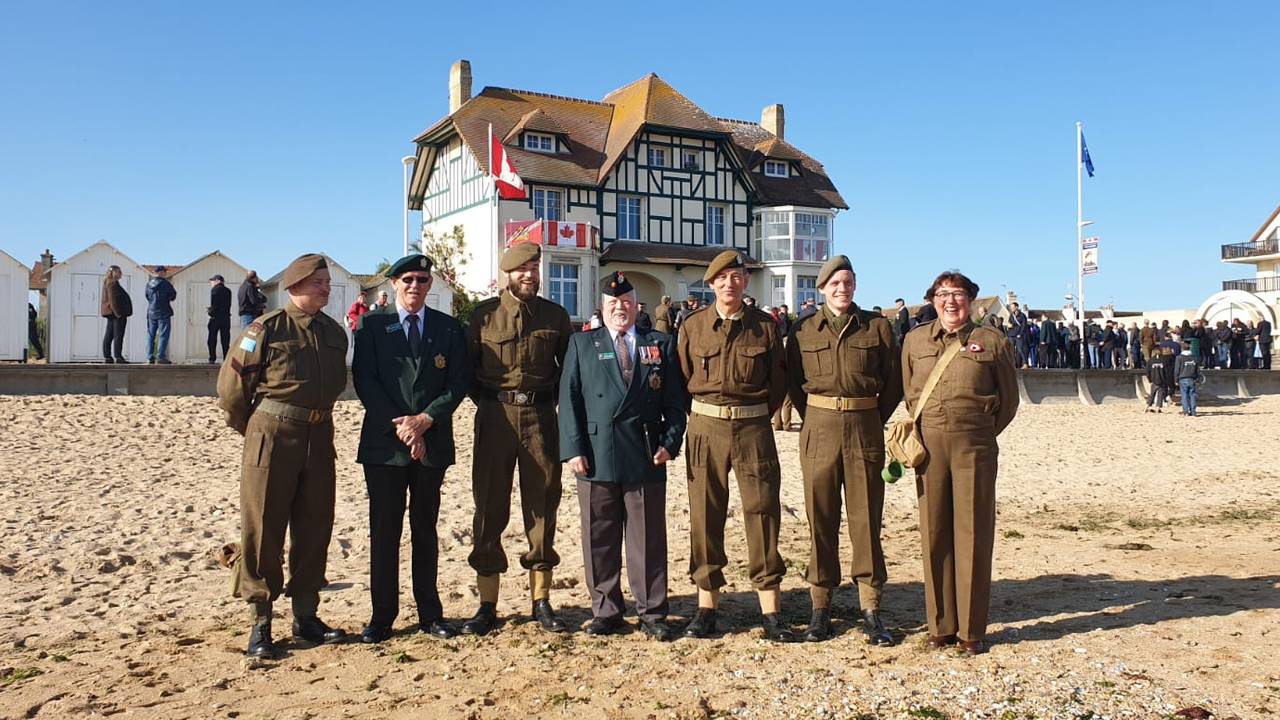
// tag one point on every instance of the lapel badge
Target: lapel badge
(394, 327)
(974, 347)
(440, 362)
(655, 380)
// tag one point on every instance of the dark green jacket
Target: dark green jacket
(390, 384)
(616, 428)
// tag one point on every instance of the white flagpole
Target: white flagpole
(496, 241)
(1080, 240)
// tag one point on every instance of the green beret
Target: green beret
(833, 266)
(724, 261)
(519, 254)
(616, 284)
(416, 261)
(301, 268)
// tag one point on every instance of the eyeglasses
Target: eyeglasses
(957, 296)
(412, 279)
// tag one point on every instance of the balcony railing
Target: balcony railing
(1253, 285)
(1251, 249)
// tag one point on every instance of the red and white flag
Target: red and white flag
(510, 186)
(566, 234)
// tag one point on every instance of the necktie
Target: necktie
(415, 335)
(624, 357)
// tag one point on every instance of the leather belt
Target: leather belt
(727, 412)
(843, 404)
(293, 412)
(519, 397)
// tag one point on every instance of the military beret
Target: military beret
(301, 268)
(616, 284)
(519, 254)
(724, 261)
(833, 266)
(416, 261)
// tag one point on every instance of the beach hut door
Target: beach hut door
(87, 325)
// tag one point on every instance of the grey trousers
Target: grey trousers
(638, 511)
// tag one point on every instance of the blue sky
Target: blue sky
(171, 129)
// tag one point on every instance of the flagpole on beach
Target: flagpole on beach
(1080, 238)
(495, 241)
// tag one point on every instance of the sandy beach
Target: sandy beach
(1137, 575)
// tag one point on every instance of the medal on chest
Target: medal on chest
(655, 380)
(441, 362)
(650, 355)
(974, 347)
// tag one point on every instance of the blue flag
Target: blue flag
(1084, 156)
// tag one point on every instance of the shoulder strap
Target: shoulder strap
(947, 356)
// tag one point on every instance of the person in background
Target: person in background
(1017, 332)
(219, 317)
(160, 294)
(252, 302)
(1048, 342)
(690, 307)
(1031, 335)
(381, 302)
(644, 323)
(1253, 360)
(1135, 347)
(1148, 341)
(1073, 346)
(1239, 336)
(357, 309)
(1160, 376)
(116, 307)
(663, 321)
(33, 332)
(1264, 342)
(902, 320)
(1121, 347)
(784, 317)
(1186, 369)
(807, 308)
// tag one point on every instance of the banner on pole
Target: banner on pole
(1089, 260)
(1089, 243)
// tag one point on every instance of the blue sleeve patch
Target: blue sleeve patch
(248, 344)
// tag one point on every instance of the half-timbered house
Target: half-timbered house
(643, 181)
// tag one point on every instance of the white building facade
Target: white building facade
(1255, 298)
(14, 277)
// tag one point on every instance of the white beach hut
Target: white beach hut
(343, 289)
(440, 298)
(189, 342)
(76, 326)
(14, 278)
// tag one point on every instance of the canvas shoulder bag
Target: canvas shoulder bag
(902, 439)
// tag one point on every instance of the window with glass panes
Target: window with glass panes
(773, 236)
(715, 224)
(657, 157)
(546, 204)
(689, 159)
(563, 286)
(703, 292)
(813, 237)
(806, 288)
(628, 217)
(775, 168)
(539, 142)
(779, 290)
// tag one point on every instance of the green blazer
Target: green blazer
(390, 384)
(615, 427)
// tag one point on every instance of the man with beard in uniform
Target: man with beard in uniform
(516, 344)
(845, 383)
(732, 359)
(278, 386)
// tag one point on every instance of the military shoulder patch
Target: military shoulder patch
(248, 344)
(255, 328)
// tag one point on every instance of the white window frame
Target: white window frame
(556, 285)
(660, 154)
(777, 168)
(724, 214)
(779, 290)
(690, 159)
(539, 142)
(639, 217)
(703, 291)
(539, 200)
(806, 287)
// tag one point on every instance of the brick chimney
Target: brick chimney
(46, 259)
(459, 84)
(773, 120)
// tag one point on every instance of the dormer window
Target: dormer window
(777, 168)
(689, 160)
(539, 142)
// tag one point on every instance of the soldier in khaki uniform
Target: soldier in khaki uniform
(278, 386)
(732, 359)
(974, 399)
(845, 383)
(516, 345)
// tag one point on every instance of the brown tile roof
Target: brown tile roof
(39, 279)
(599, 134)
(664, 253)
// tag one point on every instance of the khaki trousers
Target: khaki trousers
(844, 451)
(286, 482)
(956, 489)
(713, 448)
(782, 418)
(507, 437)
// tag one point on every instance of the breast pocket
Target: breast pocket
(284, 359)
(816, 357)
(976, 371)
(751, 364)
(706, 363)
(864, 353)
(497, 348)
(542, 345)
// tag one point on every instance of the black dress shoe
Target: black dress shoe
(121, 361)
(260, 644)
(658, 630)
(547, 618)
(776, 630)
(439, 629)
(703, 624)
(109, 361)
(313, 630)
(819, 626)
(873, 627)
(483, 621)
(605, 625)
(374, 633)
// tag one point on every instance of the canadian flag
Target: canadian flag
(566, 234)
(510, 186)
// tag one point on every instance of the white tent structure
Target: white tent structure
(14, 278)
(76, 325)
(343, 289)
(189, 341)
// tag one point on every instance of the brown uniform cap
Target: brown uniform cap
(724, 261)
(833, 266)
(519, 254)
(300, 268)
